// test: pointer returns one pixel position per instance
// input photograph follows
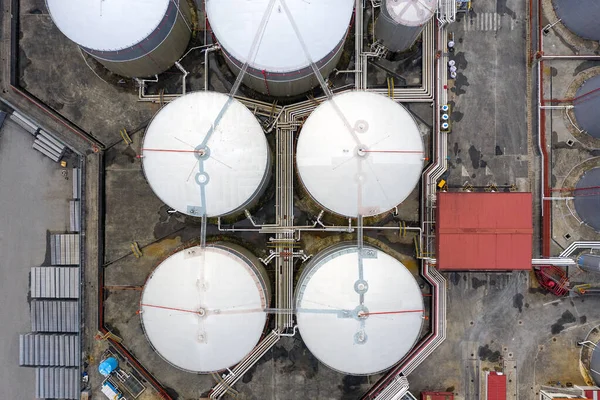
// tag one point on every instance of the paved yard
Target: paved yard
(33, 200)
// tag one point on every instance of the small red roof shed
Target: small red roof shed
(484, 231)
(496, 386)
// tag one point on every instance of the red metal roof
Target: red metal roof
(592, 394)
(437, 396)
(496, 386)
(484, 231)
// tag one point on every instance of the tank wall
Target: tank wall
(395, 36)
(159, 59)
(289, 84)
(589, 262)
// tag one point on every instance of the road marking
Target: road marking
(485, 22)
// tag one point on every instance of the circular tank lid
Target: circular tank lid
(587, 106)
(196, 176)
(587, 198)
(107, 25)
(580, 17)
(202, 311)
(411, 12)
(353, 337)
(367, 161)
(322, 25)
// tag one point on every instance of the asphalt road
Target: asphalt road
(33, 199)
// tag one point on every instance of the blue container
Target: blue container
(107, 366)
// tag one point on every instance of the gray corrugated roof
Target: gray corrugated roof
(586, 107)
(581, 17)
(57, 383)
(55, 282)
(54, 316)
(40, 350)
(64, 249)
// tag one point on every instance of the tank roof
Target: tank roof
(203, 334)
(384, 168)
(232, 169)
(587, 197)
(587, 106)
(328, 310)
(322, 24)
(581, 17)
(411, 12)
(107, 25)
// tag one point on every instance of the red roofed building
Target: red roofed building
(496, 386)
(484, 231)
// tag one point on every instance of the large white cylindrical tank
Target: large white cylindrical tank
(400, 22)
(359, 153)
(358, 322)
(133, 38)
(280, 66)
(204, 311)
(198, 170)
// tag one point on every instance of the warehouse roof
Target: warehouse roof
(496, 386)
(484, 231)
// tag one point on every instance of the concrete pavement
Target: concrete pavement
(33, 200)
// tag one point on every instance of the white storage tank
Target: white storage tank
(401, 22)
(203, 311)
(280, 66)
(359, 153)
(133, 38)
(358, 322)
(198, 170)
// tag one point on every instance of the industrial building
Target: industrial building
(278, 43)
(205, 154)
(133, 39)
(484, 231)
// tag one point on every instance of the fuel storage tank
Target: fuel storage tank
(359, 153)
(587, 198)
(133, 38)
(580, 17)
(203, 311)
(279, 66)
(400, 22)
(586, 106)
(589, 262)
(358, 321)
(206, 154)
